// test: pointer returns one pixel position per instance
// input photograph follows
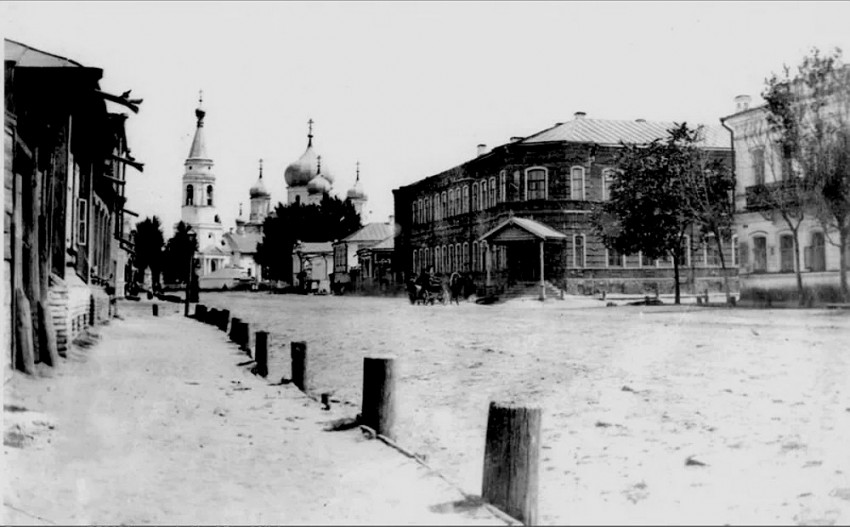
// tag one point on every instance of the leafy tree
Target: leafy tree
(179, 250)
(148, 240)
(332, 219)
(809, 114)
(661, 191)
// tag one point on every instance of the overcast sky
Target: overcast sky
(408, 89)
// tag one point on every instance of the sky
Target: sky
(408, 89)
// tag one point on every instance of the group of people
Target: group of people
(429, 288)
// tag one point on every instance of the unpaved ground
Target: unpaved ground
(156, 424)
(757, 400)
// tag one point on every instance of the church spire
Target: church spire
(199, 145)
(310, 133)
(357, 180)
(261, 168)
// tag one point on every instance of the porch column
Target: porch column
(542, 278)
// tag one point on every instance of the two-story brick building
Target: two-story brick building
(520, 214)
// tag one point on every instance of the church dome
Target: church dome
(302, 171)
(356, 192)
(319, 185)
(259, 188)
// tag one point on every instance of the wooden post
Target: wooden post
(234, 330)
(542, 278)
(245, 337)
(47, 336)
(212, 316)
(379, 401)
(261, 352)
(511, 460)
(200, 312)
(298, 353)
(25, 359)
(224, 320)
(155, 309)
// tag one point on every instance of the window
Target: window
(607, 183)
(818, 252)
(415, 261)
(427, 210)
(475, 257)
(735, 250)
(444, 205)
(645, 261)
(686, 251)
(615, 258)
(535, 183)
(422, 263)
(787, 162)
(712, 255)
(578, 250)
(82, 221)
(190, 195)
(475, 196)
(786, 253)
(577, 183)
(209, 195)
(437, 259)
(421, 210)
(465, 256)
(445, 265)
(437, 212)
(466, 198)
(759, 254)
(757, 155)
(485, 195)
(413, 212)
(492, 191)
(452, 210)
(503, 186)
(458, 257)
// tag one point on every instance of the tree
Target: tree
(809, 113)
(332, 219)
(179, 250)
(661, 190)
(148, 240)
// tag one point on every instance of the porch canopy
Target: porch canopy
(515, 230)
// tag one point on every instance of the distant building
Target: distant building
(346, 264)
(519, 215)
(767, 259)
(199, 203)
(376, 267)
(305, 181)
(312, 264)
(65, 160)
(249, 233)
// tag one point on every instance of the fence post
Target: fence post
(200, 312)
(245, 337)
(511, 460)
(234, 329)
(299, 364)
(155, 309)
(261, 352)
(224, 320)
(379, 401)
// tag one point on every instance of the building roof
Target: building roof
(314, 247)
(384, 245)
(213, 250)
(522, 229)
(28, 57)
(245, 243)
(371, 232)
(613, 132)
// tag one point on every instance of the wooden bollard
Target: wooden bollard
(224, 320)
(261, 352)
(155, 309)
(245, 337)
(234, 330)
(379, 400)
(298, 353)
(511, 460)
(200, 312)
(211, 316)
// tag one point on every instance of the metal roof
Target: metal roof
(314, 247)
(370, 233)
(383, 245)
(27, 57)
(613, 132)
(535, 228)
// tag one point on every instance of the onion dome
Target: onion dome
(356, 192)
(259, 189)
(319, 184)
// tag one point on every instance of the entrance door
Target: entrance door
(523, 262)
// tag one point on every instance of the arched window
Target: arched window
(493, 191)
(577, 183)
(422, 264)
(503, 188)
(427, 260)
(485, 196)
(444, 204)
(578, 250)
(458, 257)
(474, 196)
(437, 254)
(190, 195)
(451, 266)
(536, 183)
(818, 260)
(427, 210)
(759, 254)
(465, 198)
(484, 256)
(475, 256)
(451, 202)
(607, 182)
(209, 195)
(465, 256)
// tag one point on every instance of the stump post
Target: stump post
(298, 354)
(211, 316)
(234, 329)
(155, 309)
(224, 320)
(379, 399)
(200, 312)
(245, 337)
(511, 460)
(261, 352)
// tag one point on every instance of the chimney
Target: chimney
(482, 149)
(641, 120)
(742, 103)
(579, 115)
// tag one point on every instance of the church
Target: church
(225, 257)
